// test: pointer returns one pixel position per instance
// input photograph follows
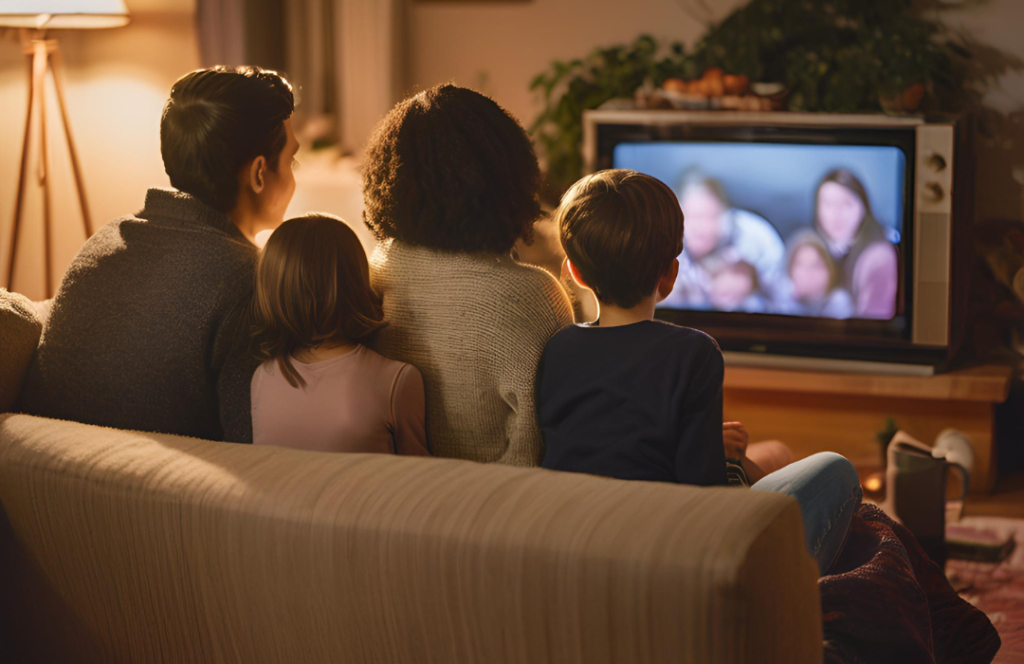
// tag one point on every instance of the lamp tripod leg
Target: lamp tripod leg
(57, 67)
(19, 197)
(40, 63)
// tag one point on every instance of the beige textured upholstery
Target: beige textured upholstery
(20, 329)
(128, 547)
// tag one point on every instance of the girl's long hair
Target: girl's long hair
(312, 287)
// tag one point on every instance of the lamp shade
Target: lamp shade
(57, 14)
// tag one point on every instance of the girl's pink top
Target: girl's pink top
(357, 402)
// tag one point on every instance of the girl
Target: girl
(858, 243)
(815, 283)
(735, 287)
(319, 388)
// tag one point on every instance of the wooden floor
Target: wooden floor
(1007, 500)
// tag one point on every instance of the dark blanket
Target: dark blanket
(886, 601)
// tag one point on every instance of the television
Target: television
(812, 240)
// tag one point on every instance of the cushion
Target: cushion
(20, 329)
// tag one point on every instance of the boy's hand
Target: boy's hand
(735, 439)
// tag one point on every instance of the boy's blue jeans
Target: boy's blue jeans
(828, 490)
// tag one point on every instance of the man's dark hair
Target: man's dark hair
(622, 230)
(450, 169)
(216, 121)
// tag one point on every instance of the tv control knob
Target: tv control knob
(933, 192)
(936, 162)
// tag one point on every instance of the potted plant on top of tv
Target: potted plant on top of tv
(844, 56)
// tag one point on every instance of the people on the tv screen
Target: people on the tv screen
(858, 244)
(717, 236)
(843, 265)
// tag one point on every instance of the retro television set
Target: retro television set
(884, 296)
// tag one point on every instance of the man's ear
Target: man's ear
(668, 280)
(575, 273)
(258, 174)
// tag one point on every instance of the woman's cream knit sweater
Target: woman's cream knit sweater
(475, 326)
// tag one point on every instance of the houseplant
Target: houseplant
(568, 88)
(843, 56)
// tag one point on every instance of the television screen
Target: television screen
(782, 228)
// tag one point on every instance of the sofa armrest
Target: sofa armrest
(20, 329)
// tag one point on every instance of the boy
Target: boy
(630, 397)
(633, 398)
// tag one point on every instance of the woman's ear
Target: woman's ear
(258, 174)
(668, 280)
(575, 273)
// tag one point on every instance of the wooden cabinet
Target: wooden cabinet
(817, 411)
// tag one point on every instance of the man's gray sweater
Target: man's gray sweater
(150, 328)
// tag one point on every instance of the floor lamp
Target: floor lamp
(36, 18)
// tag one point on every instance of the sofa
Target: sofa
(122, 546)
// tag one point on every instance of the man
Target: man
(149, 329)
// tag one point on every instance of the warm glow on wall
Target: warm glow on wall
(116, 84)
(35, 17)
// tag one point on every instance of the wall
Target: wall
(116, 83)
(1000, 158)
(498, 46)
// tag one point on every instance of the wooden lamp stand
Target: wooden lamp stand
(43, 55)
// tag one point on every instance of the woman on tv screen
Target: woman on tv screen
(858, 243)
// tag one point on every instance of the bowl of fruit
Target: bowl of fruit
(716, 90)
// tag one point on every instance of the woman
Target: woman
(450, 185)
(857, 242)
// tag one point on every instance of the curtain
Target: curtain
(347, 58)
(310, 32)
(372, 64)
(220, 25)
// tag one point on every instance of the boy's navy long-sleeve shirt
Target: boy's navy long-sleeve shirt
(635, 402)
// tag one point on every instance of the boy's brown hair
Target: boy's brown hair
(312, 287)
(622, 230)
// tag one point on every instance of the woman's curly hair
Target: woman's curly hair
(450, 169)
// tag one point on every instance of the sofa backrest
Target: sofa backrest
(20, 329)
(130, 547)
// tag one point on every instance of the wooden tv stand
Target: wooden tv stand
(815, 411)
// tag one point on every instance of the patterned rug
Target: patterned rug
(996, 589)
